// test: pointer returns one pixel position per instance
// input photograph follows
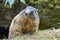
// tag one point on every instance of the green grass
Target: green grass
(41, 35)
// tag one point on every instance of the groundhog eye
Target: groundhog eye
(26, 14)
(31, 11)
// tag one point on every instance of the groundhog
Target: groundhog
(26, 21)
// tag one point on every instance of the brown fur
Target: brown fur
(22, 24)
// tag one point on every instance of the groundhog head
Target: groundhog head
(30, 12)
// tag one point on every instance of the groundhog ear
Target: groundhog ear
(36, 10)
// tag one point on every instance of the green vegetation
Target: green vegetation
(49, 13)
(41, 35)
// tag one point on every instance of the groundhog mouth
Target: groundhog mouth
(30, 18)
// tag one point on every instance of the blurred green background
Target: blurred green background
(49, 12)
